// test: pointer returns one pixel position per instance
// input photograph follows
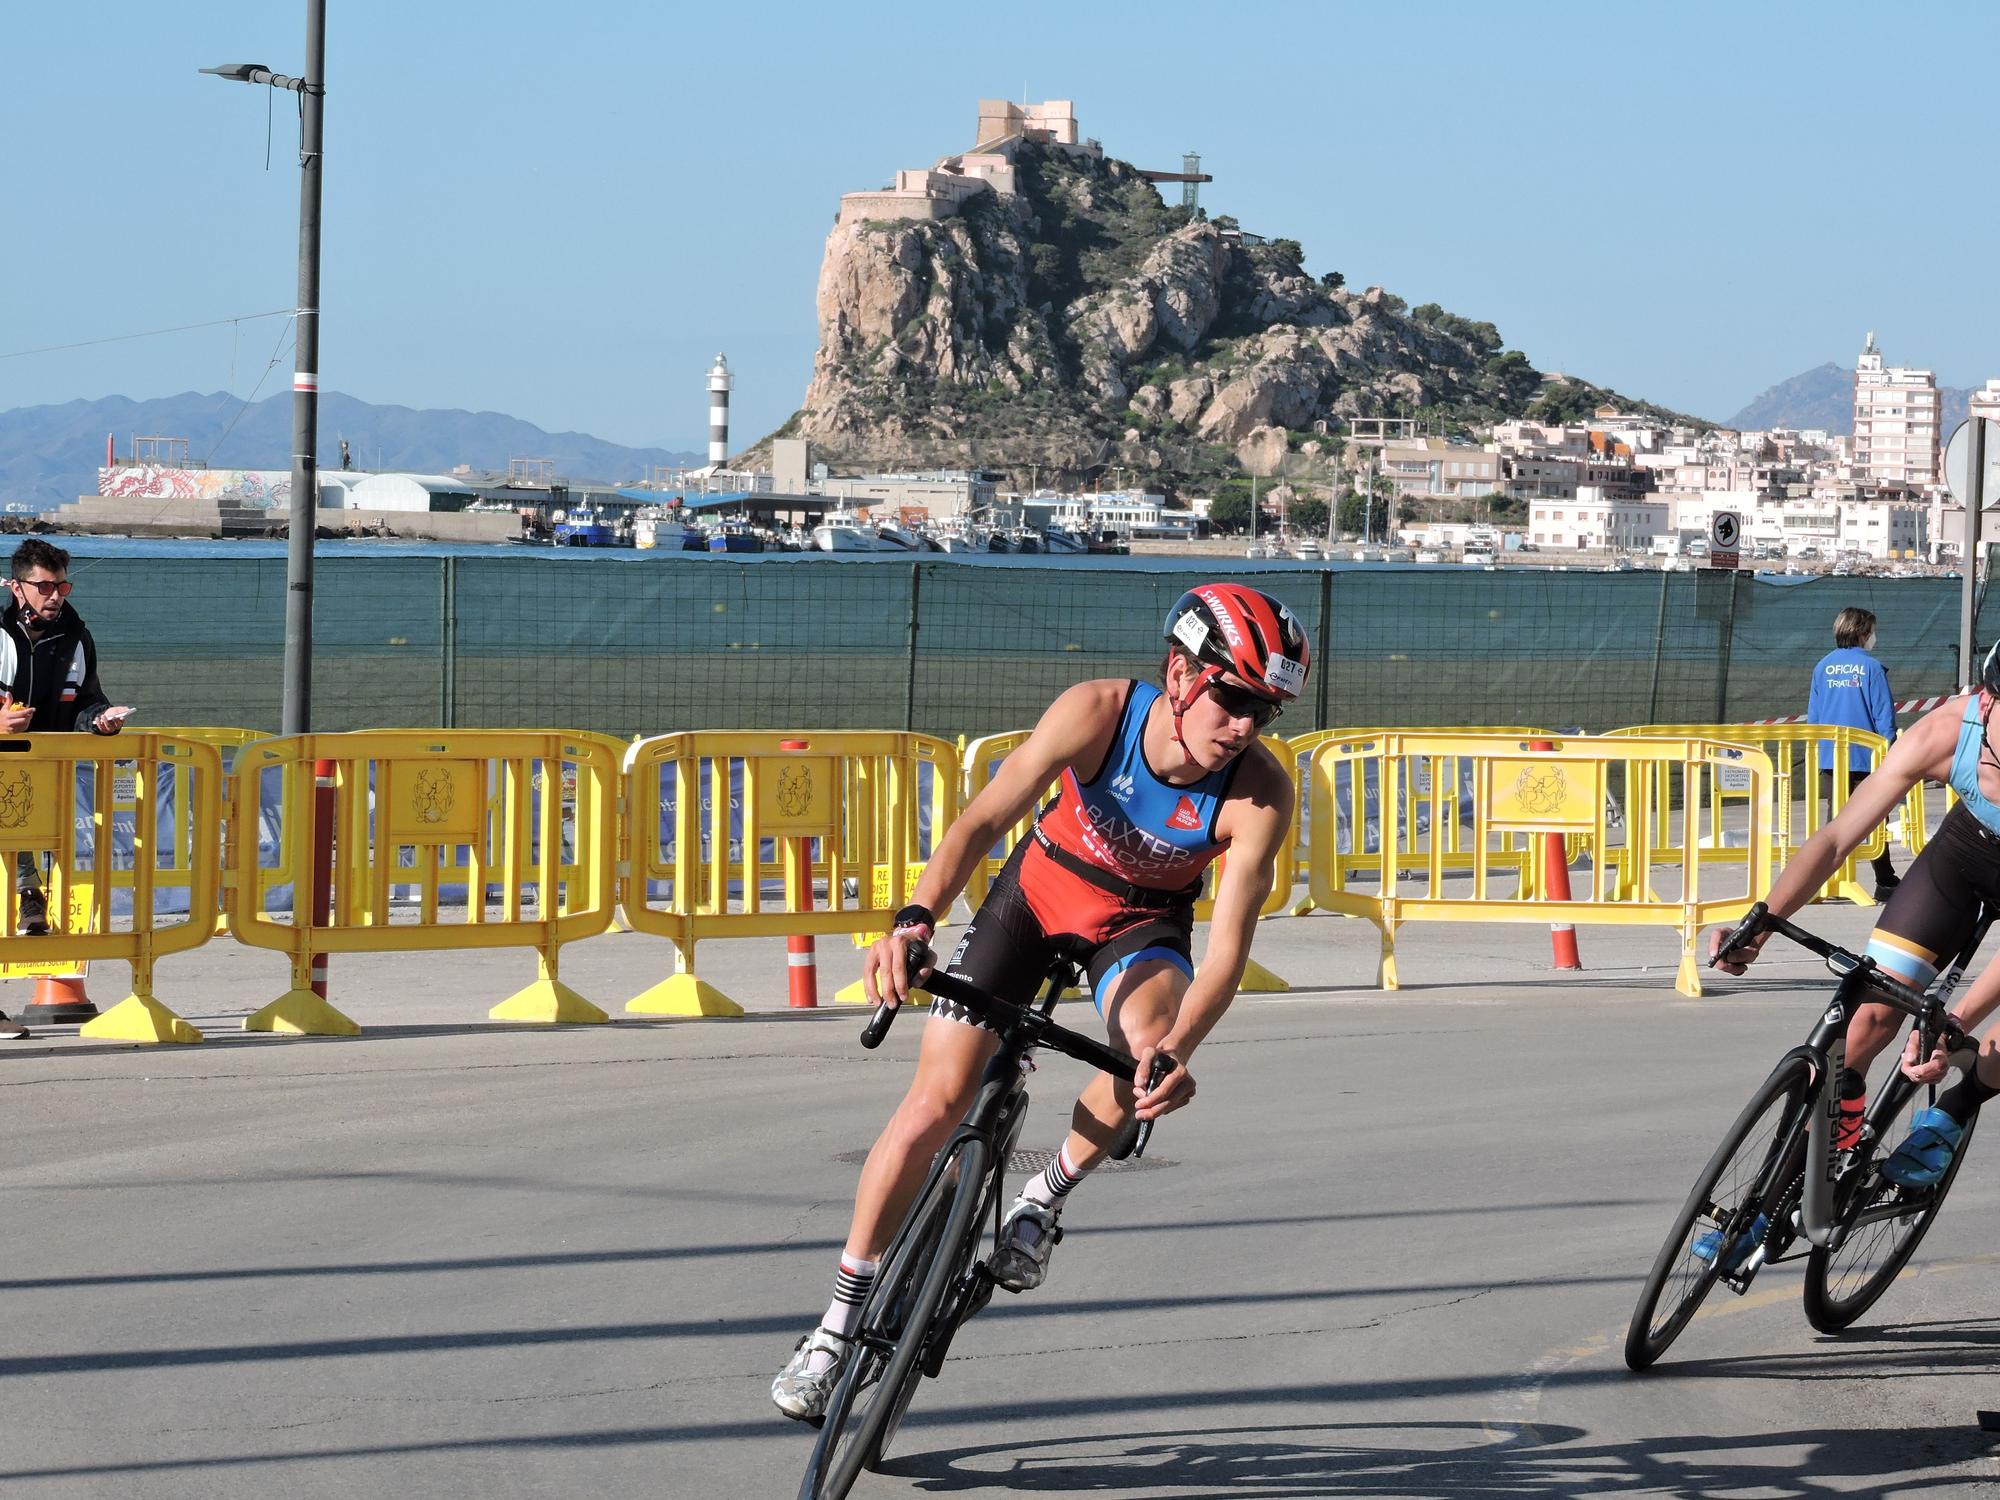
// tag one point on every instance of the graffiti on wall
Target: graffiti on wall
(254, 487)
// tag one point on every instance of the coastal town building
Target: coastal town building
(1595, 520)
(1896, 421)
(1434, 466)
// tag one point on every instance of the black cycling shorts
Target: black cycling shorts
(1007, 949)
(1930, 915)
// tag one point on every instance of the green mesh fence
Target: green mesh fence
(952, 648)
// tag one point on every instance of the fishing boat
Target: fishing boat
(958, 537)
(844, 531)
(653, 528)
(734, 536)
(1063, 541)
(893, 538)
(586, 526)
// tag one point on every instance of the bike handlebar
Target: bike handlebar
(1006, 1016)
(1933, 1020)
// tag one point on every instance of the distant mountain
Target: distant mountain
(1825, 398)
(50, 454)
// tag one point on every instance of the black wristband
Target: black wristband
(915, 916)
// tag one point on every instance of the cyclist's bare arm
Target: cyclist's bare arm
(1253, 821)
(1075, 730)
(1925, 751)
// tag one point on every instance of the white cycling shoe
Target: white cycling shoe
(1020, 1263)
(801, 1391)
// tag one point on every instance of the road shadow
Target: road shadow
(1465, 1460)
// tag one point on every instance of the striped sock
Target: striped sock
(1056, 1181)
(851, 1284)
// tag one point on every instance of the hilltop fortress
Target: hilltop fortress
(941, 191)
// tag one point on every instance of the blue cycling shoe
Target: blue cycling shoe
(1709, 1241)
(1926, 1151)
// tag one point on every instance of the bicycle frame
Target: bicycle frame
(996, 1117)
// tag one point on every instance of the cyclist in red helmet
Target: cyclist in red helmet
(1154, 783)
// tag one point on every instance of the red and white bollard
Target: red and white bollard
(801, 957)
(1555, 887)
(320, 913)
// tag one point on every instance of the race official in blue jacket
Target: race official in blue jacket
(1850, 687)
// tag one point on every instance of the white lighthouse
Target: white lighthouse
(719, 381)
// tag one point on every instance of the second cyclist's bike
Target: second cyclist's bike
(1777, 1188)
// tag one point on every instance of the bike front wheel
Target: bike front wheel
(1881, 1226)
(896, 1322)
(1748, 1170)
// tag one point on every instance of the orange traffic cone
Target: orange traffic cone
(59, 998)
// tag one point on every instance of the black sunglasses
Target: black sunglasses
(1241, 703)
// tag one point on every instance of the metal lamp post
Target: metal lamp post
(311, 90)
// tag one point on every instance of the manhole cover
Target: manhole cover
(1024, 1163)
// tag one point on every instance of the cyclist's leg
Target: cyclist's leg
(1927, 918)
(949, 1063)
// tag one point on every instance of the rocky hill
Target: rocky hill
(1082, 323)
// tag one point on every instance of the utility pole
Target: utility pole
(311, 89)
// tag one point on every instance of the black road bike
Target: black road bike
(1776, 1188)
(932, 1276)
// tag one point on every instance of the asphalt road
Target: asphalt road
(1390, 1251)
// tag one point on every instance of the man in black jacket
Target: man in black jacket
(48, 681)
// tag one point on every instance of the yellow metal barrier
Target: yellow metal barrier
(65, 796)
(1424, 800)
(702, 808)
(1518, 791)
(1797, 785)
(227, 742)
(414, 813)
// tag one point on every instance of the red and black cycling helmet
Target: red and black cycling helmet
(1244, 631)
(1226, 627)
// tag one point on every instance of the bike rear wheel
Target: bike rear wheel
(1748, 1171)
(1883, 1224)
(942, 1228)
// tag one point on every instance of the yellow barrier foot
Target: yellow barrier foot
(1850, 890)
(302, 1013)
(140, 1019)
(1688, 981)
(683, 995)
(1385, 969)
(1258, 980)
(548, 1001)
(1304, 907)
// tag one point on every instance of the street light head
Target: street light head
(239, 72)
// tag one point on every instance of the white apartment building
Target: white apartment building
(1596, 521)
(1896, 417)
(1884, 530)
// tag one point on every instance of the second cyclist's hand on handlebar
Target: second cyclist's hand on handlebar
(1931, 1070)
(886, 976)
(1934, 1069)
(1173, 1091)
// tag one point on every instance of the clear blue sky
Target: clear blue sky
(562, 211)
